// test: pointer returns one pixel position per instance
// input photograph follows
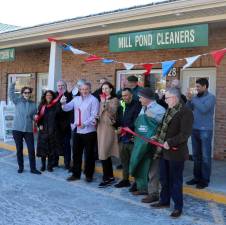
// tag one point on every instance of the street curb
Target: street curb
(201, 194)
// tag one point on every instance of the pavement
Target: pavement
(215, 192)
(49, 199)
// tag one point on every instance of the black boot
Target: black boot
(43, 168)
(50, 164)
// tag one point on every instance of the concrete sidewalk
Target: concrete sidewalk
(215, 192)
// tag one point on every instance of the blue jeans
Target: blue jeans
(171, 179)
(201, 150)
(29, 139)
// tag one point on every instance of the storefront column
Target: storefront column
(55, 66)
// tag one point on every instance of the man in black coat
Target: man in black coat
(127, 113)
(174, 132)
(64, 120)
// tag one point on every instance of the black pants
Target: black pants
(29, 139)
(50, 162)
(84, 142)
(107, 169)
(67, 149)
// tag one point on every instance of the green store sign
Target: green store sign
(7, 54)
(175, 37)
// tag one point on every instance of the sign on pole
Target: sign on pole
(7, 54)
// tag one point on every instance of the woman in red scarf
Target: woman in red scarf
(46, 121)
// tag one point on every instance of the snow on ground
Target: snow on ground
(48, 199)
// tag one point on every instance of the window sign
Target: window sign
(8, 113)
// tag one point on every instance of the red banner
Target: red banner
(148, 68)
(218, 56)
(93, 58)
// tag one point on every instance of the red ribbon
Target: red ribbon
(151, 141)
(104, 96)
(43, 108)
(79, 117)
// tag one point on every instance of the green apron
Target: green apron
(143, 152)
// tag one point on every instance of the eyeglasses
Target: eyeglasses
(168, 97)
(27, 92)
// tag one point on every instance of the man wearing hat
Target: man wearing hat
(132, 83)
(142, 164)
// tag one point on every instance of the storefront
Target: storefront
(149, 34)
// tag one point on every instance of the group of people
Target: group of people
(149, 133)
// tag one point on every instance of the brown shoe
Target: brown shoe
(139, 193)
(176, 213)
(159, 205)
(73, 178)
(150, 199)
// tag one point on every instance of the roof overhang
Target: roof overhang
(167, 14)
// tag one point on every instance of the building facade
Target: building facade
(39, 63)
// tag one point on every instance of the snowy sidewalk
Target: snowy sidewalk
(49, 199)
(215, 192)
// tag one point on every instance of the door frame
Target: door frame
(212, 88)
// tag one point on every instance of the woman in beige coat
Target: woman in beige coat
(106, 132)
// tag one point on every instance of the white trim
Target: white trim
(55, 66)
(118, 21)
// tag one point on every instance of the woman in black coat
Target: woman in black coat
(46, 121)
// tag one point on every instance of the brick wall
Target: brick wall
(27, 61)
(74, 67)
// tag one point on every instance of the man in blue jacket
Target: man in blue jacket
(202, 105)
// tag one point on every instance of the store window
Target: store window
(154, 80)
(21, 80)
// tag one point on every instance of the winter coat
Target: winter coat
(48, 143)
(177, 135)
(106, 133)
(126, 118)
(64, 119)
(24, 111)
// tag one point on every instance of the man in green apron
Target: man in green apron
(142, 156)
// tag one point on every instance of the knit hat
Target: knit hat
(132, 78)
(146, 93)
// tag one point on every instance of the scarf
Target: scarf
(162, 129)
(43, 108)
